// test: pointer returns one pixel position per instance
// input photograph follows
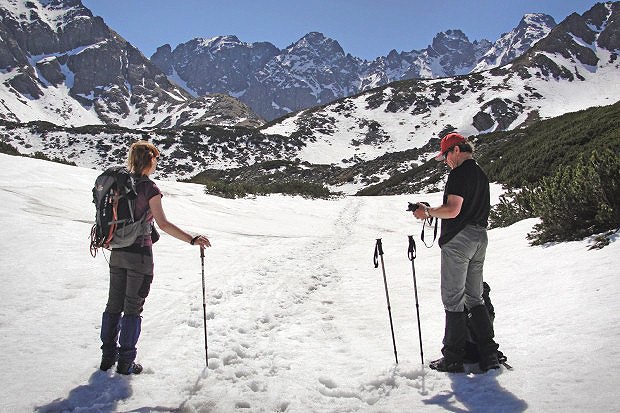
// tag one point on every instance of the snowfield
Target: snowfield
(296, 312)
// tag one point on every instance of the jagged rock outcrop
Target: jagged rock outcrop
(579, 40)
(509, 46)
(312, 71)
(56, 51)
(315, 70)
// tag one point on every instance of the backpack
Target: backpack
(114, 196)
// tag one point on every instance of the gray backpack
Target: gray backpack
(114, 196)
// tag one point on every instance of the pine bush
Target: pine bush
(513, 206)
(578, 201)
(8, 149)
(241, 189)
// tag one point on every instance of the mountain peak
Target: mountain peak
(531, 28)
(315, 35)
(453, 34)
(538, 18)
(217, 42)
(450, 40)
(317, 41)
(538, 24)
(52, 13)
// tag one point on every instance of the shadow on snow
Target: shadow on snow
(102, 394)
(478, 393)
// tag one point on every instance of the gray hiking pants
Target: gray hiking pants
(130, 282)
(462, 260)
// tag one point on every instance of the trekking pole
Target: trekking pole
(204, 301)
(379, 252)
(411, 252)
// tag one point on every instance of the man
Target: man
(463, 242)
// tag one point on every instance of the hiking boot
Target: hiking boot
(107, 362)
(447, 366)
(128, 368)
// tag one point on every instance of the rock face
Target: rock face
(271, 81)
(509, 46)
(315, 70)
(80, 71)
(578, 40)
(454, 53)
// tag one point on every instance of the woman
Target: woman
(131, 268)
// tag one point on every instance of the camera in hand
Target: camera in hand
(414, 206)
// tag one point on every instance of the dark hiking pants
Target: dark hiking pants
(130, 282)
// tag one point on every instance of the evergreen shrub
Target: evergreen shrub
(575, 202)
(8, 149)
(231, 189)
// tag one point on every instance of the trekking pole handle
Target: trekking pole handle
(202, 251)
(411, 251)
(378, 251)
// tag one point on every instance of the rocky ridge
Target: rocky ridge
(315, 70)
(62, 64)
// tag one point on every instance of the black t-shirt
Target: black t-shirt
(470, 182)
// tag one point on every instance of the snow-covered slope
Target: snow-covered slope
(371, 124)
(185, 152)
(296, 312)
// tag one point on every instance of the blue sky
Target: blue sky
(364, 28)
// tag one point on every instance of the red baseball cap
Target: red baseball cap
(449, 141)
